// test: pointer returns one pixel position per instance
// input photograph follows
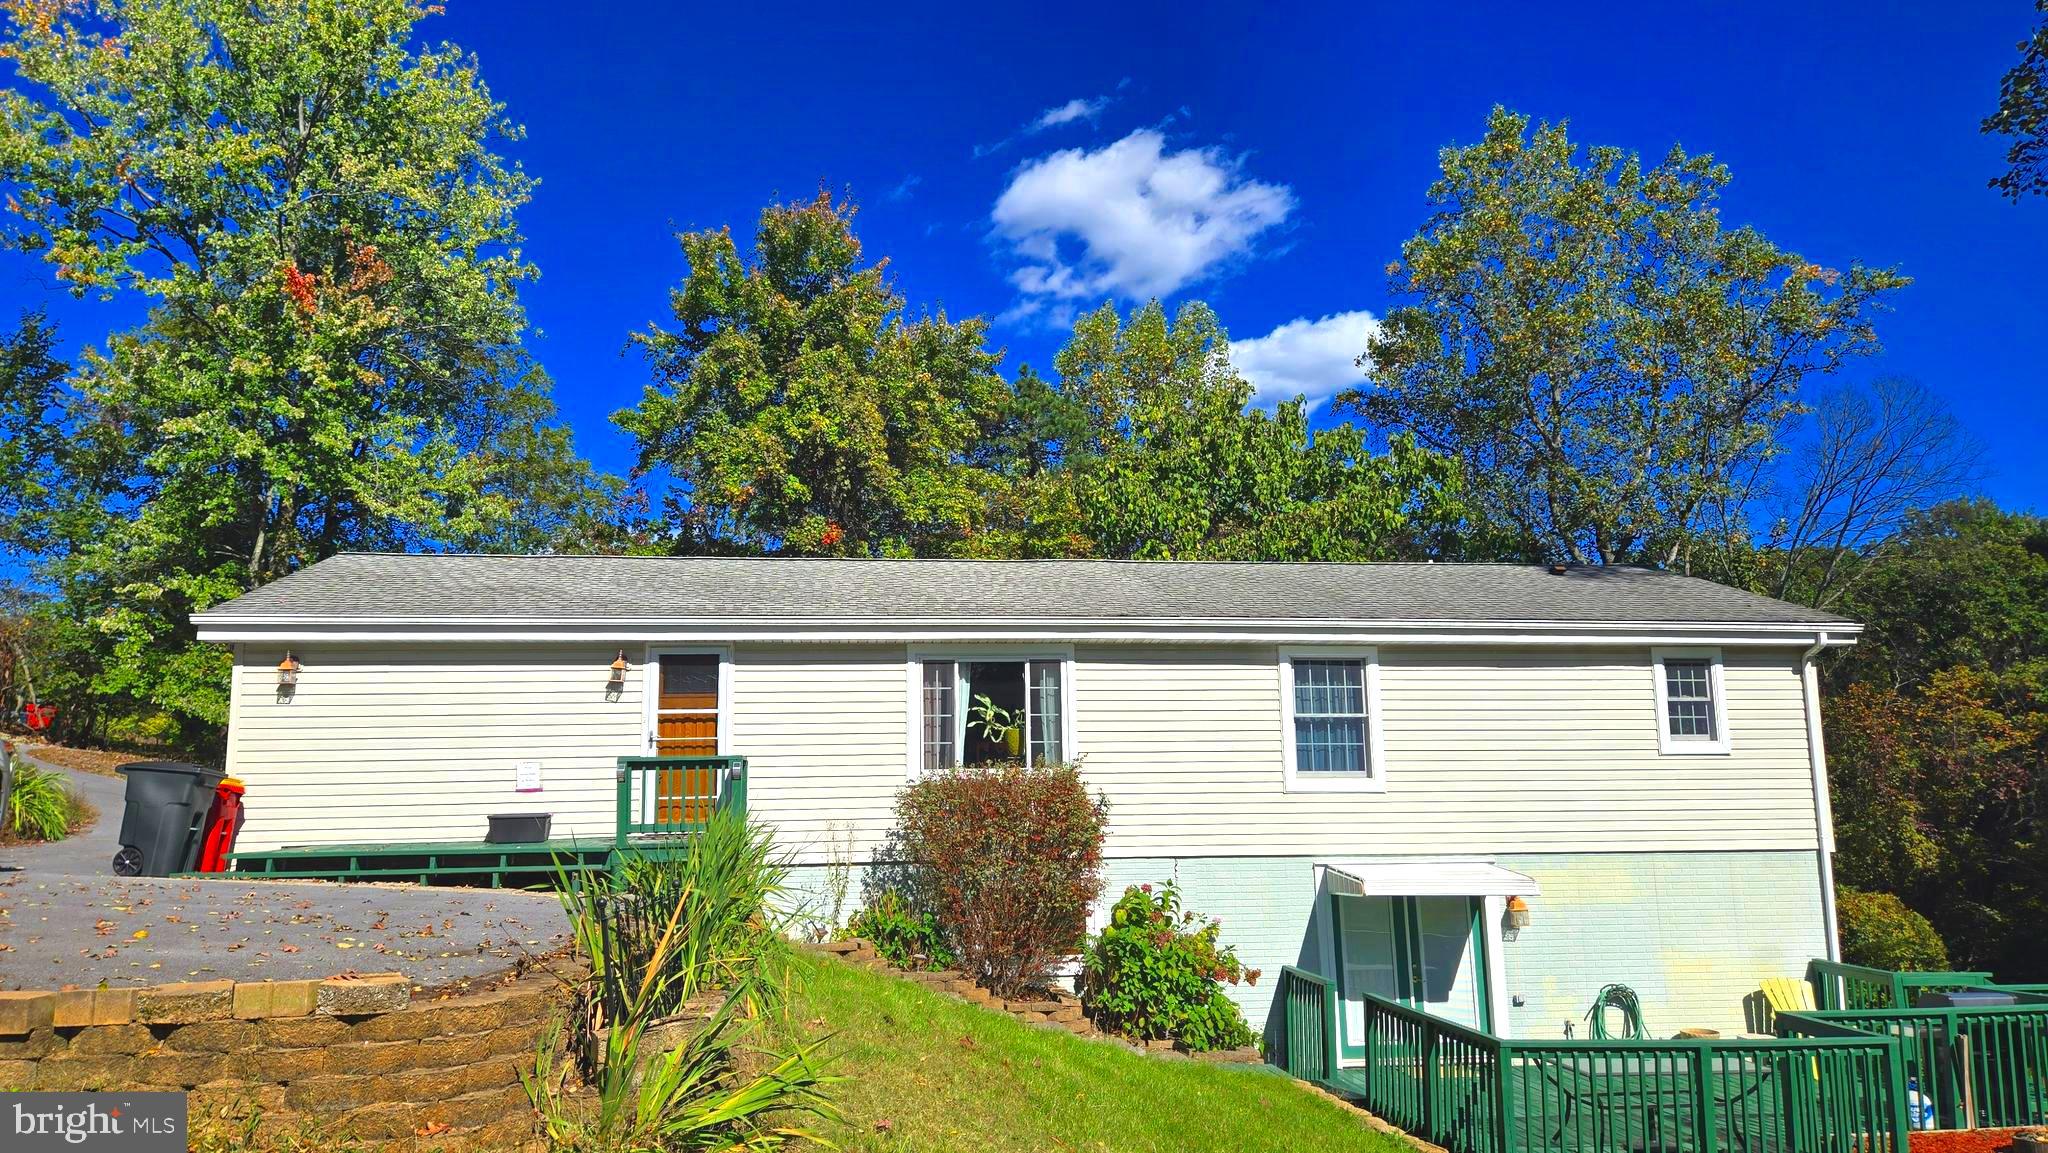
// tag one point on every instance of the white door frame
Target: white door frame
(650, 692)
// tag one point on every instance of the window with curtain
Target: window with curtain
(978, 712)
(941, 751)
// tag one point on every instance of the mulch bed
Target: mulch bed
(101, 761)
(1963, 1140)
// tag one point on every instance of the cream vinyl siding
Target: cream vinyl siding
(419, 743)
(1523, 750)
(825, 730)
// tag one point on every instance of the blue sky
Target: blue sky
(979, 141)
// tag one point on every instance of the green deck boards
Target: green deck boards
(426, 861)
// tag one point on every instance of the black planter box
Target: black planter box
(518, 828)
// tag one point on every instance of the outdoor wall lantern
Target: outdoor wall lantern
(1515, 919)
(617, 683)
(287, 671)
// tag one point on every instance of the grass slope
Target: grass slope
(930, 1073)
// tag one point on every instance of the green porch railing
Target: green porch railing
(1308, 1033)
(1830, 1089)
(1839, 985)
(670, 796)
(1440, 1080)
(1982, 1067)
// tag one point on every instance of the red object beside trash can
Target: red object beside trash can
(222, 821)
(38, 717)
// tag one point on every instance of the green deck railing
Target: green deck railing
(1982, 1067)
(668, 796)
(1838, 985)
(1308, 1031)
(1832, 1089)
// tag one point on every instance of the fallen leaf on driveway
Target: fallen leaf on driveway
(138, 935)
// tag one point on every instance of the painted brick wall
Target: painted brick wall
(1264, 903)
(1691, 933)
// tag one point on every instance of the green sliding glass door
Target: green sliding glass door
(1425, 952)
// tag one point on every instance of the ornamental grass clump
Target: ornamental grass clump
(1157, 973)
(1009, 858)
(41, 807)
(659, 933)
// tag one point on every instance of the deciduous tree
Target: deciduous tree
(2023, 115)
(798, 410)
(309, 203)
(1598, 351)
(1937, 724)
(1166, 458)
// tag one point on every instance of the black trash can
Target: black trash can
(165, 805)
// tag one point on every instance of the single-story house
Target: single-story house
(1487, 790)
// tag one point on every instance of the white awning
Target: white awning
(1390, 878)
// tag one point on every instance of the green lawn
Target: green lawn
(931, 1073)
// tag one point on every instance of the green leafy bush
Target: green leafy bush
(1010, 859)
(1879, 930)
(908, 938)
(41, 806)
(1156, 973)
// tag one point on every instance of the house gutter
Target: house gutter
(1823, 809)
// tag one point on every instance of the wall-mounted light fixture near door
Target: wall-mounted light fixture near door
(617, 683)
(1515, 919)
(288, 671)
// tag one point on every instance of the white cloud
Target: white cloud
(1131, 219)
(905, 189)
(1311, 358)
(1072, 110)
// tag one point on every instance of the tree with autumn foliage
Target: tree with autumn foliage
(796, 407)
(309, 204)
(1937, 726)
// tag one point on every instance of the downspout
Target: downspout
(1823, 810)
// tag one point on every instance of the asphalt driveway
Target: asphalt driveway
(65, 919)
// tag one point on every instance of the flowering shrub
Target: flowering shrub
(1010, 859)
(1156, 973)
(907, 938)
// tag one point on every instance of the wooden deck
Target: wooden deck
(662, 802)
(460, 862)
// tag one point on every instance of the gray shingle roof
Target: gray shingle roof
(590, 588)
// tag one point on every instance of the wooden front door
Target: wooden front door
(686, 725)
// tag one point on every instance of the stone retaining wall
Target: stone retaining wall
(351, 1057)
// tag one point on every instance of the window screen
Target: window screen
(1689, 699)
(1329, 716)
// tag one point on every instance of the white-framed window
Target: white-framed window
(1692, 707)
(977, 706)
(1330, 719)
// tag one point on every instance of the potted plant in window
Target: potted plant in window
(996, 724)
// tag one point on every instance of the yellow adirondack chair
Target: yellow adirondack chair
(1788, 994)
(1777, 995)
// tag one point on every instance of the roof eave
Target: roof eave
(292, 627)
